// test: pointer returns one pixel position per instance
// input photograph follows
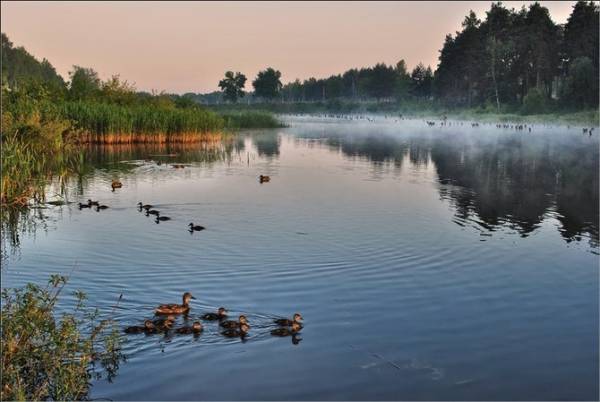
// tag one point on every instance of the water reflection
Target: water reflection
(113, 161)
(506, 179)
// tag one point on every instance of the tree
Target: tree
(422, 79)
(85, 83)
(403, 81)
(382, 80)
(116, 91)
(581, 42)
(267, 84)
(581, 85)
(233, 86)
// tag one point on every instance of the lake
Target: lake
(453, 262)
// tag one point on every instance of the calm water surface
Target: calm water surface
(429, 263)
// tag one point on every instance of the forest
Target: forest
(512, 61)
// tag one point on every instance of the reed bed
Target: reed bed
(110, 123)
(147, 138)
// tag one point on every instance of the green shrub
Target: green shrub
(49, 357)
(535, 102)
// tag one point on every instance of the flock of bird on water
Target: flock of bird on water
(166, 312)
(229, 328)
(443, 122)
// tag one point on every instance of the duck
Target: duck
(164, 324)
(84, 206)
(148, 327)
(263, 178)
(196, 328)
(240, 332)
(162, 218)
(285, 322)
(90, 203)
(184, 307)
(142, 206)
(287, 331)
(195, 227)
(219, 315)
(178, 166)
(99, 207)
(116, 184)
(152, 212)
(234, 324)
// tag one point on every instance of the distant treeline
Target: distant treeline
(512, 61)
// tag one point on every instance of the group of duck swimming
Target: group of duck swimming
(150, 211)
(91, 204)
(231, 328)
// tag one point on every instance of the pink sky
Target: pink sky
(187, 46)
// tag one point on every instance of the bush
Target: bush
(535, 102)
(46, 357)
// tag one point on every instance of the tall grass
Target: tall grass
(110, 123)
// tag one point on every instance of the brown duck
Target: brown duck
(240, 332)
(285, 322)
(182, 308)
(235, 324)
(196, 328)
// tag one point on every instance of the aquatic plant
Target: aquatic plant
(47, 356)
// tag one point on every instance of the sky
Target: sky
(187, 46)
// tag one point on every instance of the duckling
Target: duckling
(164, 324)
(284, 322)
(81, 206)
(141, 206)
(234, 324)
(90, 203)
(287, 331)
(241, 332)
(264, 179)
(219, 315)
(116, 184)
(99, 207)
(176, 308)
(148, 327)
(152, 212)
(195, 227)
(196, 328)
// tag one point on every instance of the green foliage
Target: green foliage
(267, 84)
(20, 68)
(233, 86)
(580, 88)
(85, 84)
(422, 81)
(47, 355)
(535, 102)
(118, 92)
